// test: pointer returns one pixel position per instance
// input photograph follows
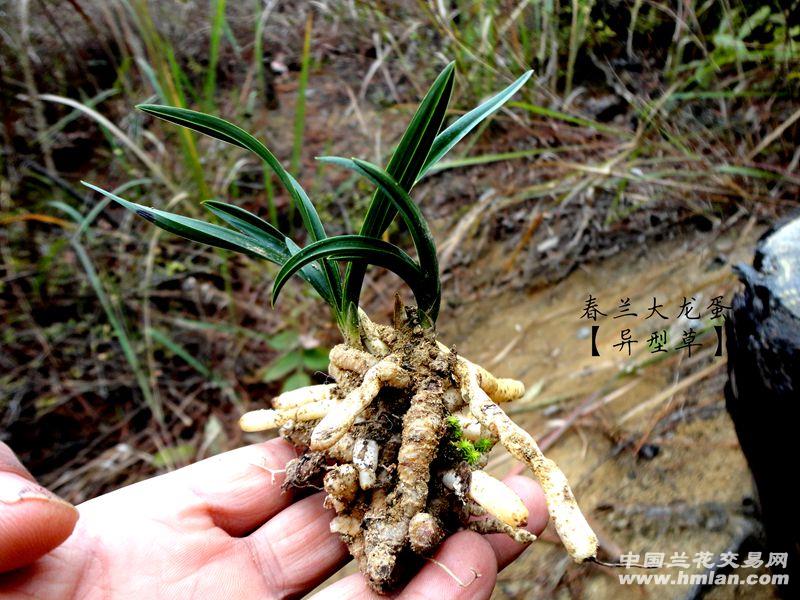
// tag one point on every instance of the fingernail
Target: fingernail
(14, 489)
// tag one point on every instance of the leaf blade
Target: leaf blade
(356, 248)
(262, 231)
(195, 229)
(407, 159)
(232, 134)
(448, 138)
(249, 224)
(410, 213)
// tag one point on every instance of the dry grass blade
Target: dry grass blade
(117, 133)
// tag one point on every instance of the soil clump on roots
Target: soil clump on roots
(398, 444)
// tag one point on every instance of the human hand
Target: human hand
(220, 528)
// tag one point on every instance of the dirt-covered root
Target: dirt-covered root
(342, 415)
(573, 529)
(387, 529)
(499, 389)
(398, 443)
(492, 525)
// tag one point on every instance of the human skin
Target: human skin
(221, 528)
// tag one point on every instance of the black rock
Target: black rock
(763, 389)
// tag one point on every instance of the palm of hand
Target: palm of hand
(223, 528)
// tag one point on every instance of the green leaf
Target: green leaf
(315, 276)
(283, 341)
(412, 151)
(295, 381)
(364, 250)
(198, 231)
(448, 138)
(263, 232)
(230, 133)
(404, 166)
(316, 359)
(411, 214)
(282, 366)
(248, 223)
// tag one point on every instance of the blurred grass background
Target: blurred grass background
(124, 352)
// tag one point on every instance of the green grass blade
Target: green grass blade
(411, 215)
(178, 350)
(300, 104)
(365, 250)
(119, 330)
(567, 118)
(448, 138)
(210, 85)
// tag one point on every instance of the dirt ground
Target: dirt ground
(648, 446)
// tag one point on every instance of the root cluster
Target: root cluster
(398, 443)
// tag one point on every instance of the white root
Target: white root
(470, 426)
(342, 451)
(351, 359)
(341, 483)
(346, 525)
(491, 495)
(493, 525)
(497, 499)
(499, 389)
(365, 459)
(339, 420)
(270, 418)
(573, 529)
(312, 393)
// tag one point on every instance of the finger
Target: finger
(9, 463)
(295, 549)
(241, 489)
(33, 520)
(467, 556)
(507, 550)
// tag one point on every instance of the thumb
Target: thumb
(33, 520)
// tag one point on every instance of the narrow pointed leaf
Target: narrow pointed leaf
(314, 274)
(413, 149)
(249, 224)
(404, 166)
(365, 250)
(410, 213)
(197, 230)
(257, 228)
(228, 132)
(448, 138)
